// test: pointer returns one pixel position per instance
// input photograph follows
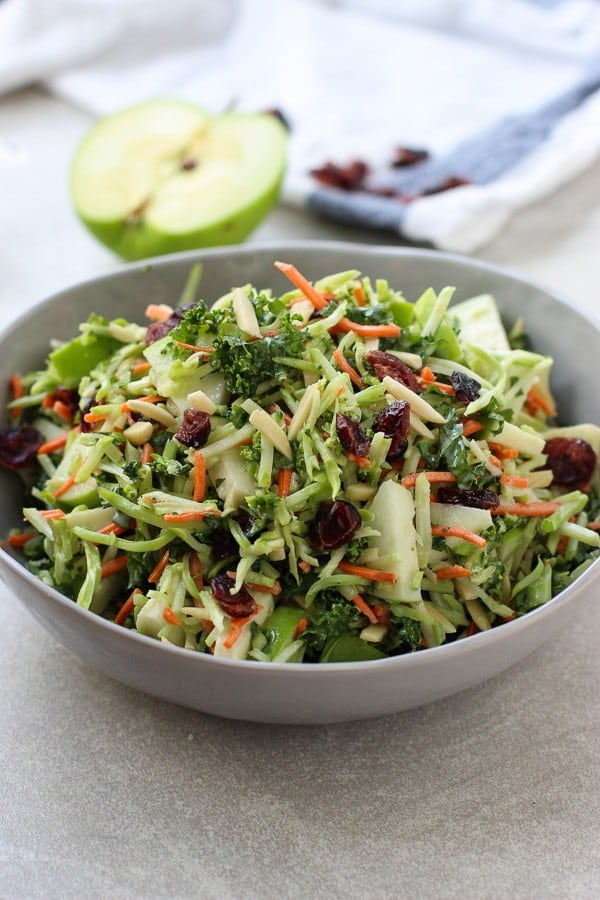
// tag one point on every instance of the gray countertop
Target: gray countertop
(106, 792)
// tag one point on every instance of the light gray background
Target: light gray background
(106, 793)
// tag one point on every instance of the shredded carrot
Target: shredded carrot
(493, 459)
(471, 426)
(63, 411)
(146, 456)
(192, 516)
(141, 367)
(363, 462)
(426, 374)
(194, 348)
(235, 630)
(345, 366)
(537, 402)
(159, 568)
(433, 478)
(359, 294)
(445, 388)
(284, 482)
(383, 614)
(302, 283)
(306, 567)
(367, 572)
(199, 476)
(514, 481)
(593, 526)
(170, 617)
(368, 331)
(531, 510)
(158, 311)
(365, 609)
(111, 566)
(19, 540)
(91, 418)
(64, 487)
(127, 607)
(472, 629)
(562, 545)
(48, 401)
(275, 589)
(447, 572)
(503, 452)
(458, 531)
(50, 514)
(53, 445)
(18, 391)
(112, 528)
(300, 627)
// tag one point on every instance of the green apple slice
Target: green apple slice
(165, 175)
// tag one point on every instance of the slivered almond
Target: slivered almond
(418, 405)
(411, 359)
(302, 308)
(540, 479)
(245, 316)
(139, 433)
(302, 411)
(154, 412)
(420, 427)
(374, 633)
(271, 430)
(201, 402)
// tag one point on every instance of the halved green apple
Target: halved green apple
(165, 175)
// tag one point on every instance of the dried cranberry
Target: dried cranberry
(394, 422)
(249, 524)
(19, 446)
(87, 406)
(466, 388)
(67, 396)
(447, 185)
(158, 330)
(384, 364)
(235, 605)
(408, 156)
(352, 437)
(223, 544)
(478, 497)
(195, 428)
(347, 178)
(572, 460)
(334, 525)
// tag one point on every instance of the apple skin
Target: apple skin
(134, 239)
(141, 241)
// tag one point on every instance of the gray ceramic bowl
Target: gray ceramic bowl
(268, 692)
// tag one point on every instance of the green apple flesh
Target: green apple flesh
(165, 175)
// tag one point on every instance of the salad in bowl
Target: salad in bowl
(336, 473)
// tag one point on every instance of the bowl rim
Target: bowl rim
(10, 560)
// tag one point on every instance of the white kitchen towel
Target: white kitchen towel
(502, 94)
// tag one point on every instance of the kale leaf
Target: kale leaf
(331, 616)
(245, 364)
